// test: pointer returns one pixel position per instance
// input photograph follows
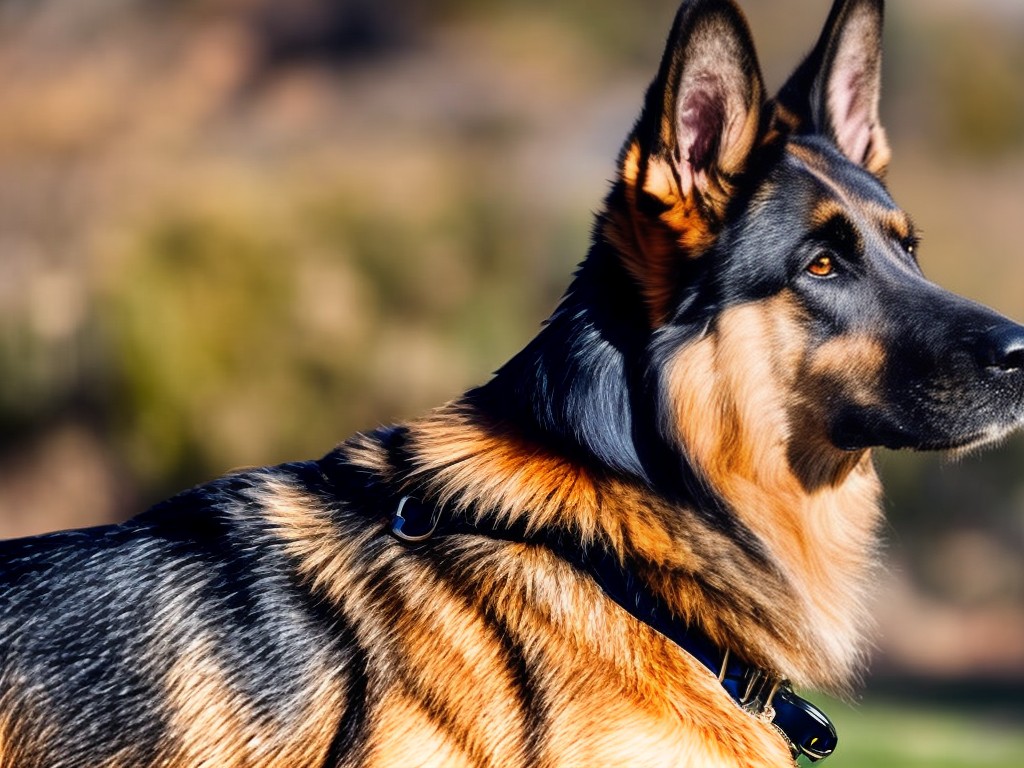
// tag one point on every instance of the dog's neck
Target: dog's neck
(729, 573)
(740, 418)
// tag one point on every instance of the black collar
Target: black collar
(761, 694)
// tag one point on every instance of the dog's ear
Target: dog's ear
(679, 169)
(835, 92)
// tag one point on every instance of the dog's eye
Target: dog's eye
(823, 265)
(910, 246)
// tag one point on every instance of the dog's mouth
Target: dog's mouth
(856, 429)
(991, 416)
(985, 439)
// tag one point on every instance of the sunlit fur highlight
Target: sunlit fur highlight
(19, 745)
(214, 726)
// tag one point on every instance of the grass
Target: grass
(902, 735)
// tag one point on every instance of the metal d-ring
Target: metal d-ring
(399, 521)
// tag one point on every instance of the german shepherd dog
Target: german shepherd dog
(625, 549)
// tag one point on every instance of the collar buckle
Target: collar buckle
(759, 693)
(810, 733)
(770, 699)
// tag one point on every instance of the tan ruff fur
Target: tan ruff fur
(462, 462)
(618, 689)
(733, 391)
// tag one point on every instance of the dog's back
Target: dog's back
(270, 619)
(183, 637)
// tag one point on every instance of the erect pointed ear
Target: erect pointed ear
(835, 92)
(679, 169)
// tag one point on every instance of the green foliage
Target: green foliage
(193, 310)
(905, 735)
(263, 327)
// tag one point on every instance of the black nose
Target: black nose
(1005, 347)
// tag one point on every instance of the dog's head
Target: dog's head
(779, 280)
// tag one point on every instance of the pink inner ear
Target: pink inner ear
(702, 117)
(853, 84)
(850, 103)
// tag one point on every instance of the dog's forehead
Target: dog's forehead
(840, 187)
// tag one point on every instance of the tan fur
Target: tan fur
(406, 735)
(651, 246)
(367, 454)
(850, 363)
(671, 546)
(15, 743)
(617, 688)
(826, 209)
(892, 222)
(212, 725)
(26, 739)
(465, 462)
(734, 414)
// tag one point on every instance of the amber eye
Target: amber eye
(822, 266)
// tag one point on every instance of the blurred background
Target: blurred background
(233, 232)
